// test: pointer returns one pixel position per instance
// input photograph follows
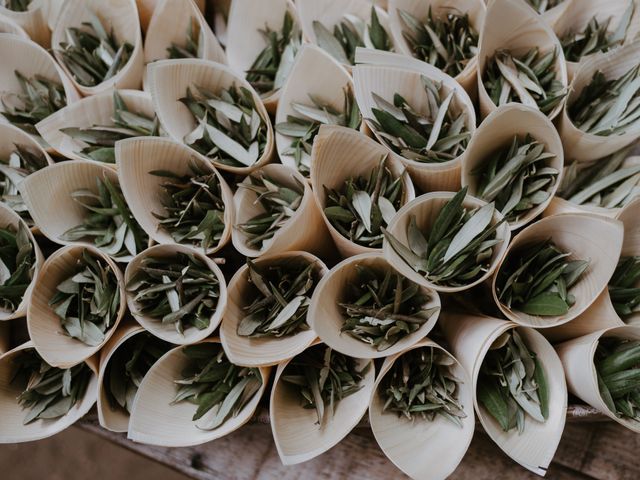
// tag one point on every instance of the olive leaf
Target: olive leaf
(16, 5)
(193, 208)
(87, 302)
(512, 385)
(180, 290)
(381, 307)
(363, 205)
(219, 388)
(273, 64)
(192, 45)
(439, 135)
(448, 41)
(305, 125)
(537, 279)
(529, 79)
(229, 128)
(108, 223)
(47, 392)
(623, 286)
(17, 265)
(322, 377)
(421, 385)
(99, 140)
(542, 6)
(91, 54)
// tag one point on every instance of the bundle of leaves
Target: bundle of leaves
(17, 266)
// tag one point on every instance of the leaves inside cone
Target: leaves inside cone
(16, 5)
(542, 6)
(192, 47)
(623, 287)
(17, 266)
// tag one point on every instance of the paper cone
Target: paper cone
(587, 237)
(95, 110)
(168, 82)
(422, 448)
(514, 25)
(341, 153)
(326, 317)
(552, 15)
(168, 332)
(244, 40)
(146, 9)
(470, 338)
(303, 231)
(49, 339)
(9, 218)
(9, 26)
(425, 209)
(51, 9)
(581, 146)
(388, 74)
(136, 157)
(33, 22)
(11, 136)
(297, 435)
(497, 132)
(262, 351)
(119, 15)
(420, 9)
(11, 429)
(155, 421)
(577, 358)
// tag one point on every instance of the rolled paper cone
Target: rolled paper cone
(422, 448)
(262, 351)
(113, 419)
(425, 209)
(136, 157)
(117, 16)
(587, 237)
(155, 421)
(327, 318)
(11, 136)
(296, 432)
(420, 9)
(629, 215)
(577, 359)
(52, 10)
(94, 110)
(581, 146)
(388, 74)
(33, 21)
(146, 9)
(304, 230)
(340, 154)
(49, 339)
(168, 82)
(9, 26)
(245, 40)
(552, 15)
(471, 337)
(497, 131)
(516, 26)
(12, 429)
(10, 219)
(168, 332)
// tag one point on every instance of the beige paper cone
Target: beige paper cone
(33, 22)
(136, 157)
(11, 428)
(49, 339)
(587, 237)
(552, 15)
(425, 208)
(303, 231)
(168, 82)
(422, 448)
(497, 131)
(155, 421)
(11, 136)
(95, 110)
(9, 218)
(168, 332)
(577, 359)
(52, 10)
(341, 153)
(314, 74)
(244, 40)
(470, 338)
(420, 9)
(119, 15)
(296, 433)
(262, 351)
(581, 146)
(327, 318)
(9, 26)
(514, 25)
(389, 74)
(146, 9)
